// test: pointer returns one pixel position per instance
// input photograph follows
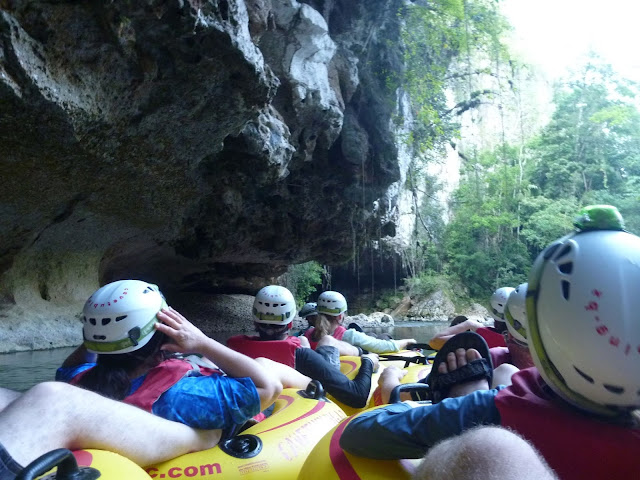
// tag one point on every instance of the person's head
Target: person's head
(515, 316)
(457, 320)
(498, 301)
(309, 312)
(466, 457)
(582, 310)
(273, 310)
(118, 324)
(332, 304)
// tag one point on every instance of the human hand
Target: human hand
(374, 359)
(405, 342)
(187, 337)
(391, 374)
(304, 342)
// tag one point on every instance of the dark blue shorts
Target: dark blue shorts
(9, 468)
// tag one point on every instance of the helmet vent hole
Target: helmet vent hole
(614, 389)
(563, 251)
(566, 268)
(584, 375)
(105, 321)
(99, 337)
(92, 321)
(548, 253)
(121, 317)
(267, 304)
(565, 289)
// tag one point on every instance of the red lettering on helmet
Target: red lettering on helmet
(597, 293)
(615, 341)
(592, 306)
(602, 330)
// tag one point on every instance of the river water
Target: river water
(20, 371)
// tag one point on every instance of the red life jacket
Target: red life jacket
(494, 339)
(337, 334)
(158, 380)
(282, 351)
(574, 444)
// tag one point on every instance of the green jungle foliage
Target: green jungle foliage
(441, 38)
(516, 199)
(303, 279)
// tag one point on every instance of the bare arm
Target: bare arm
(344, 348)
(189, 339)
(441, 338)
(304, 342)
(405, 342)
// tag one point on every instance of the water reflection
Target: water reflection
(20, 371)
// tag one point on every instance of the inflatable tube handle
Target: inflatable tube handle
(414, 388)
(407, 360)
(67, 467)
(314, 390)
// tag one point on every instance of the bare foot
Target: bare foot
(458, 359)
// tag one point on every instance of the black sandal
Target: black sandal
(441, 383)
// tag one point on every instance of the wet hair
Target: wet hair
(271, 332)
(322, 327)
(458, 320)
(499, 326)
(110, 376)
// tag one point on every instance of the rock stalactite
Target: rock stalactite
(201, 145)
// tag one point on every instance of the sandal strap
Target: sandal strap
(475, 370)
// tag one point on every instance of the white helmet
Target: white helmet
(274, 305)
(515, 314)
(498, 301)
(308, 310)
(120, 317)
(582, 307)
(332, 303)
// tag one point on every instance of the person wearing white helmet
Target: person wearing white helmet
(54, 415)
(517, 350)
(494, 336)
(579, 404)
(273, 311)
(332, 308)
(134, 334)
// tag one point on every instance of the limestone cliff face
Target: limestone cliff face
(201, 145)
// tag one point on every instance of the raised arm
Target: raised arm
(189, 339)
(441, 338)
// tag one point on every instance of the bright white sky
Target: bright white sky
(555, 34)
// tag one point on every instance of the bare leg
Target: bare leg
(56, 415)
(6, 397)
(289, 377)
(502, 374)
(465, 457)
(343, 347)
